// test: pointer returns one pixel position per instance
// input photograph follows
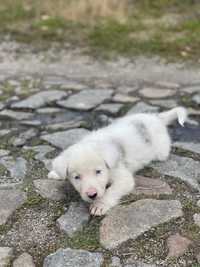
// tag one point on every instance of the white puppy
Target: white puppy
(101, 166)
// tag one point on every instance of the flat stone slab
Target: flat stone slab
(87, 99)
(31, 122)
(111, 108)
(167, 103)
(65, 139)
(150, 186)
(169, 85)
(4, 153)
(49, 110)
(16, 115)
(10, 200)
(177, 245)
(193, 147)
(142, 107)
(4, 132)
(129, 222)
(17, 167)
(24, 137)
(186, 169)
(64, 125)
(74, 219)
(196, 99)
(157, 93)
(6, 254)
(52, 189)
(40, 99)
(191, 89)
(125, 98)
(73, 258)
(24, 260)
(40, 153)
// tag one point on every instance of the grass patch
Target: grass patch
(169, 28)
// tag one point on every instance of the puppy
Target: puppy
(101, 166)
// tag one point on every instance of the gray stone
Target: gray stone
(52, 189)
(73, 258)
(111, 108)
(129, 222)
(16, 115)
(40, 153)
(49, 110)
(177, 245)
(65, 138)
(115, 262)
(196, 218)
(150, 186)
(74, 219)
(4, 132)
(105, 120)
(17, 167)
(198, 203)
(24, 260)
(2, 105)
(157, 93)
(40, 99)
(192, 111)
(87, 99)
(24, 137)
(4, 153)
(186, 169)
(142, 107)
(31, 123)
(169, 85)
(193, 147)
(10, 200)
(192, 122)
(65, 125)
(167, 103)
(6, 254)
(196, 99)
(191, 89)
(125, 98)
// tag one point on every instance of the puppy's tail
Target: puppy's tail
(179, 113)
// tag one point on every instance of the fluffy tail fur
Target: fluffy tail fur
(179, 113)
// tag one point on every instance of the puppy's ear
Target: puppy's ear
(59, 168)
(111, 154)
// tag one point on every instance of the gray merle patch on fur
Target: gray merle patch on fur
(143, 131)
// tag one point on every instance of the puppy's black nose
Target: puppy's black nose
(92, 196)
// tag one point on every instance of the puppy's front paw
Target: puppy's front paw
(98, 208)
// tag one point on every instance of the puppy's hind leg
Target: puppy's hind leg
(123, 183)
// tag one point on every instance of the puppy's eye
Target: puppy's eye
(98, 172)
(77, 177)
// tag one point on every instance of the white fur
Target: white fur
(118, 150)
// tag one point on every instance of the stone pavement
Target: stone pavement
(49, 100)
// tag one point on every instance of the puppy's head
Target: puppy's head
(87, 167)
